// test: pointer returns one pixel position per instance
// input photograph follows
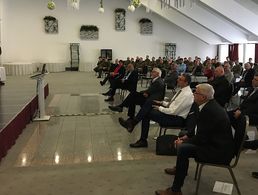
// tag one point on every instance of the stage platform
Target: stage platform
(18, 104)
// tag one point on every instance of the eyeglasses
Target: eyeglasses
(196, 93)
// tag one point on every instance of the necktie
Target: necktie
(175, 96)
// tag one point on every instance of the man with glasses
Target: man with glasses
(212, 143)
(171, 113)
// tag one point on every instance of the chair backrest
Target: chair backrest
(239, 137)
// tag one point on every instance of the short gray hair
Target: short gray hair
(207, 90)
(157, 70)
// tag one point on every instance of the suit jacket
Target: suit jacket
(213, 138)
(250, 105)
(156, 90)
(248, 76)
(223, 90)
(131, 82)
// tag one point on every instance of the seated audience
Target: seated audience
(171, 77)
(246, 80)
(197, 70)
(171, 113)
(208, 70)
(155, 91)
(237, 69)
(228, 74)
(213, 142)
(128, 82)
(181, 66)
(249, 107)
(222, 88)
(116, 71)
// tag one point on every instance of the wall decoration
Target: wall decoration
(120, 19)
(51, 25)
(51, 5)
(89, 32)
(170, 50)
(146, 26)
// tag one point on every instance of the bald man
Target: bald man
(222, 88)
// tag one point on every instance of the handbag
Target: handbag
(165, 145)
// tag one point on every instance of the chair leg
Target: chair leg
(196, 171)
(234, 180)
(160, 130)
(198, 179)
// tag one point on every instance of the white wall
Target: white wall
(24, 39)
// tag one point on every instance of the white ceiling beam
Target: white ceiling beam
(236, 13)
(184, 22)
(217, 24)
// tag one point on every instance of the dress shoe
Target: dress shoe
(170, 171)
(167, 192)
(139, 144)
(110, 99)
(251, 144)
(116, 108)
(128, 124)
(106, 94)
(255, 175)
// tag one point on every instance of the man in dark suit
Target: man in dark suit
(116, 71)
(128, 82)
(247, 78)
(213, 142)
(171, 113)
(156, 91)
(248, 107)
(221, 86)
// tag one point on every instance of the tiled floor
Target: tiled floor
(83, 150)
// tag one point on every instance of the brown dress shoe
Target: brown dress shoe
(170, 171)
(167, 192)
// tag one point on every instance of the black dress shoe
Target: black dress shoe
(106, 94)
(110, 99)
(255, 175)
(116, 108)
(139, 144)
(251, 144)
(128, 124)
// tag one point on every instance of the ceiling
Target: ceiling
(212, 21)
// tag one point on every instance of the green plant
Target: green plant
(49, 18)
(145, 20)
(89, 28)
(120, 10)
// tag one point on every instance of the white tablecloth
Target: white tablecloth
(19, 68)
(199, 79)
(55, 67)
(2, 74)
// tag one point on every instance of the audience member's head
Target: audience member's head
(247, 66)
(227, 66)
(203, 93)
(130, 67)
(219, 71)
(156, 72)
(184, 80)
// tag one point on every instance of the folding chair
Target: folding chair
(239, 137)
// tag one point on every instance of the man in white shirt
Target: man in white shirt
(171, 113)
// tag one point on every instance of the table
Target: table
(20, 68)
(55, 67)
(2, 74)
(199, 79)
